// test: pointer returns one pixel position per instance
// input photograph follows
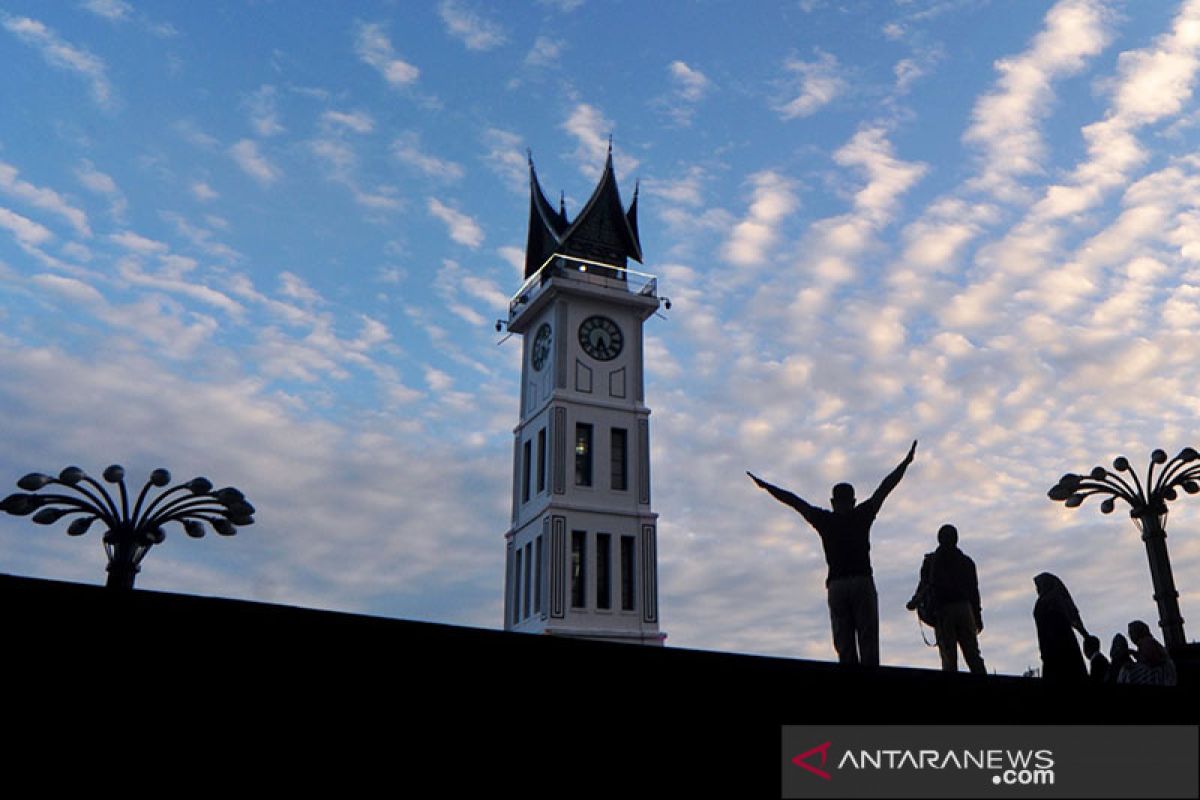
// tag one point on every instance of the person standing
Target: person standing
(1098, 665)
(1120, 661)
(846, 539)
(1057, 619)
(950, 586)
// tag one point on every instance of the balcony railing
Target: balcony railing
(583, 270)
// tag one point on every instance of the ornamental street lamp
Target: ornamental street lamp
(130, 535)
(1148, 509)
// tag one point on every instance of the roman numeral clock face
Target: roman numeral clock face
(541, 347)
(600, 338)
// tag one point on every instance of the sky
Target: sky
(267, 242)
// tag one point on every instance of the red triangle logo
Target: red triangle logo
(800, 761)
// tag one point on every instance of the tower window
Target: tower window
(603, 570)
(525, 465)
(583, 454)
(541, 461)
(620, 462)
(578, 565)
(627, 543)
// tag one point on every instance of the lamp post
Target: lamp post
(1148, 509)
(130, 535)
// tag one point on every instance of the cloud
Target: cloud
(462, 228)
(342, 162)
(155, 320)
(1005, 120)
(690, 87)
(170, 281)
(690, 83)
(1151, 84)
(356, 121)
(103, 184)
(407, 150)
(816, 84)
(590, 128)
(374, 48)
(688, 190)
(115, 10)
(203, 192)
(264, 113)
(60, 53)
(194, 136)
(505, 156)
(545, 52)
(245, 153)
(24, 230)
(773, 199)
(136, 243)
(43, 198)
(469, 27)
(888, 176)
(201, 237)
(328, 553)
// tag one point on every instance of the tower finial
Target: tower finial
(610, 143)
(562, 204)
(529, 155)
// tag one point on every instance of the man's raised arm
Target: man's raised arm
(784, 496)
(891, 481)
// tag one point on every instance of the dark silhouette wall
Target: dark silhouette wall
(196, 690)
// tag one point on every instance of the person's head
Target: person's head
(1048, 583)
(1119, 651)
(948, 535)
(1091, 645)
(842, 498)
(1138, 630)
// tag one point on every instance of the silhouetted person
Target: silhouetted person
(1153, 665)
(1120, 660)
(1057, 619)
(1097, 664)
(948, 577)
(846, 538)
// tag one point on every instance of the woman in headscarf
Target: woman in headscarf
(1119, 660)
(1057, 619)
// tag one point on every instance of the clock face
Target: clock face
(541, 346)
(600, 338)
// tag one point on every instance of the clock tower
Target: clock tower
(581, 552)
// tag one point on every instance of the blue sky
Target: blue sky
(267, 243)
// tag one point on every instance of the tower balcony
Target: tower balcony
(584, 276)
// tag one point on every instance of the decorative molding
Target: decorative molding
(583, 377)
(616, 383)
(649, 574)
(508, 583)
(558, 566)
(516, 483)
(560, 344)
(558, 437)
(643, 449)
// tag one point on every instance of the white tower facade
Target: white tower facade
(581, 552)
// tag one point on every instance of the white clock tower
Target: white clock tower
(581, 555)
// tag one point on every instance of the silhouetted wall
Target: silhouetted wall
(188, 689)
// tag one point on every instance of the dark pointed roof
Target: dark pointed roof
(603, 231)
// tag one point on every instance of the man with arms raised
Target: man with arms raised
(846, 538)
